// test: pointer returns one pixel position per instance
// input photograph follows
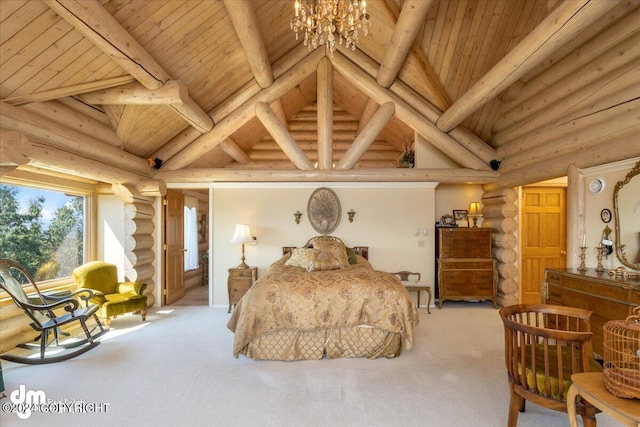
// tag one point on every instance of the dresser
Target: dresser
(466, 270)
(239, 282)
(609, 298)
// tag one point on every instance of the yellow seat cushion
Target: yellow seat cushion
(540, 382)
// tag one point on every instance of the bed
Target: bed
(323, 300)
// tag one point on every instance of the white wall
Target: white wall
(111, 232)
(387, 216)
(458, 197)
(611, 174)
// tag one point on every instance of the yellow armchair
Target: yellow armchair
(113, 297)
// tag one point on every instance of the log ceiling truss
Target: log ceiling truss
(220, 90)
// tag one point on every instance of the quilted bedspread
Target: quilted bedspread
(290, 298)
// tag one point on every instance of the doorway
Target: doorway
(543, 237)
(190, 287)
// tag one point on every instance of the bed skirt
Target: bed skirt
(331, 343)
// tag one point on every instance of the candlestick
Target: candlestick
(583, 256)
(599, 255)
(584, 240)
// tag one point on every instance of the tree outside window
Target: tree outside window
(42, 229)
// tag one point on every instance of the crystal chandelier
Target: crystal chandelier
(325, 20)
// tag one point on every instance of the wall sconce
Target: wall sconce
(297, 216)
(351, 214)
(475, 212)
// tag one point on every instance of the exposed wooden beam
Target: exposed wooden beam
(440, 96)
(78, 89)
(578, 129)
(623, 61)
(461, 134)
(610, 40)
(47, 157)
(230, 147)
(243, 18)
(244, 113)
(564, 23)
(620, 147)
(370, 109)
(367, 136)
(193, 114)
(615, 87)
(35, 127)
(73, 119)
(282, 137)
(104, 31)
(411, 18)
(249, 90)
(424, 107)
(445, 176)
(406, 113)
(325, 114)
(172, 92)
(577, 135)
(15, 150)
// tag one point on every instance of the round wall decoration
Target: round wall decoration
(324, 210)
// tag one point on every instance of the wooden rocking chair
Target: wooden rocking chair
(41, 309)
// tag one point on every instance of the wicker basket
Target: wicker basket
(621, 370)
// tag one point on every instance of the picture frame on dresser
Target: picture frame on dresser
(461, 217)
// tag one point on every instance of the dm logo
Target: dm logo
(25, 400)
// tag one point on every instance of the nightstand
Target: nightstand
(239, 282)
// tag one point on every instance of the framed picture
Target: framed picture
(605, 215)
(460, 217)
(447, 220)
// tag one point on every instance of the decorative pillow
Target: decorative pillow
(351, 255)
(303, 257)
(332, 247)
(327, 261)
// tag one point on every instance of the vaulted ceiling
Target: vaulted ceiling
(222, 90)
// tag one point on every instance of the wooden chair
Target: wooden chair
(544, 346)
(48, 313)
(411, 281)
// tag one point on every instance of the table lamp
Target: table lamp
(242, 235)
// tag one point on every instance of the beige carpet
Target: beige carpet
(177, 369)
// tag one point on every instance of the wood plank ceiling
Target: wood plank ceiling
(181, 80)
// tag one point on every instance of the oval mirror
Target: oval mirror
(626, 211)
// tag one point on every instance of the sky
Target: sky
(53, 201)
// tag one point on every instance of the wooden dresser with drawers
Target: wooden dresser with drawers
(465, 267)
(610, 298)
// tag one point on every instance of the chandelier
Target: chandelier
(325, 20)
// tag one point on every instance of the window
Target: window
(43, 229)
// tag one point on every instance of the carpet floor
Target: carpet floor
(177, 369)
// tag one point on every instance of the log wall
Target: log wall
(139, 228)
(499, 213)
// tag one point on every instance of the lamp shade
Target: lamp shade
(475, 208)
(242, 234)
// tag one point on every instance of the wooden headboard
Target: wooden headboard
(363, 251)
